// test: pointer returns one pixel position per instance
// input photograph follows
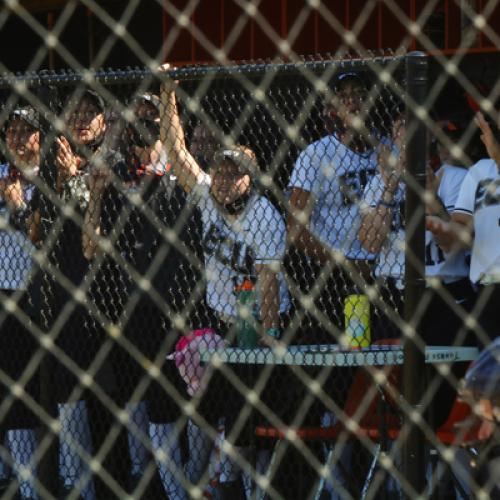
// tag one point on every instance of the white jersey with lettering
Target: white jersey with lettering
(336, 177)
(391, 259)
(448, 266)
(232, 248)
(480, 198)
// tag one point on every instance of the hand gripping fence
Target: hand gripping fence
(217, 282)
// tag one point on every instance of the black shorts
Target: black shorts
(487, 311)
(17, 348)
(151, 338)
(442, 325)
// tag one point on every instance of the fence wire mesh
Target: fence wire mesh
(264, 279)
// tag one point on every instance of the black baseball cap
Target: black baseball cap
(27, 114)
(90, 94)
(350, 76)
(95, 97)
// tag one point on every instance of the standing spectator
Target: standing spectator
(62, 314)
(382, 230)
(17, 346)
(449, 295)
(172, 277)
(326, 186)
(243, 239)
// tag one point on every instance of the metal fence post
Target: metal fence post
(414, 356)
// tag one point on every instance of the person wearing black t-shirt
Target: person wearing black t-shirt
(164, 287)
(63, 302)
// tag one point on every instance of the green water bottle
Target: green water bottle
(246, 332)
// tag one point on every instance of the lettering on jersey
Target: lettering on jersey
(352, 184)
(487, 193)
(433, 254)
(398, 216)
(233, 254)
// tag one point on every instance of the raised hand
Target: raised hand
(391, 167)
(488, 139)
(66, 160)
(167, 85)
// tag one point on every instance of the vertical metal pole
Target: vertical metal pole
(414, 357)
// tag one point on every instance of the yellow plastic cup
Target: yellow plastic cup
(357, 321)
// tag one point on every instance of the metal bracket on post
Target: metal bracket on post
(414, 352)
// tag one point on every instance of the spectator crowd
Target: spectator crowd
(127, 242)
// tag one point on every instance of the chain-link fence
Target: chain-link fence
(255, 280)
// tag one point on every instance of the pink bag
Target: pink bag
(187, 356)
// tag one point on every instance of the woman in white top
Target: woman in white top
(243, 233)
(244, 239)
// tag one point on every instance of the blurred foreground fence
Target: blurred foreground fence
(208, 300)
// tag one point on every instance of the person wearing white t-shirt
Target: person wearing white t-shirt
(243, 233)
(328, 262)
(326, 187)
(244, 238)
(475, 223)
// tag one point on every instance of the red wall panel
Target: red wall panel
(222, 20)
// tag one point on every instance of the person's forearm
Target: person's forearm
(375, 227)
(172, 137)
(91, 227)
(300, 237)
(450, 236)
(171, 131)
(33, 227)
(376, 223)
